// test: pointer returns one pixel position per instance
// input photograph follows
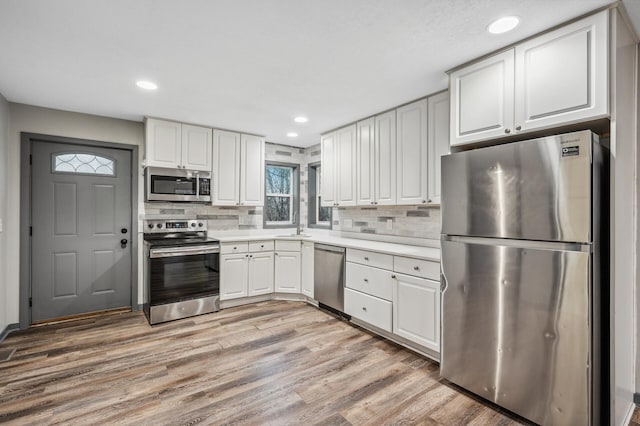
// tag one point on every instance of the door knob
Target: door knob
(124, 230)
(123, 243)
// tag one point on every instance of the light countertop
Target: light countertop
(418, 252)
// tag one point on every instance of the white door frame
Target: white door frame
(26, 143)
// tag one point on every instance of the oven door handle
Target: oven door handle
(184, 251)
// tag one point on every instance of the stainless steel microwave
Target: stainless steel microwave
(162, 184)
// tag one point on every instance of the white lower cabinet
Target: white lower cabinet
(416, 310)
(246, 269)
(233, 276)
(287, 271)
(367, 308)
(307, 279)
(260, 273)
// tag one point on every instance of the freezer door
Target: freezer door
(535, 190)
(516, 328)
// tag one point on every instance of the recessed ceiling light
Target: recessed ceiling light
(292, 134)
(301, 119)
(504, 24)
(147, 85)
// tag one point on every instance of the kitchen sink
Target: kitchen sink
(293, 235)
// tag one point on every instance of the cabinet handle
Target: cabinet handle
(366, 280)
(235, 248)
(518, 127)
(416, 268)
(372, 202)
(276, 254)
(428, 201)
(507, 131)
(246, 255)
(250, 255)
(393, 276)
(366, 258)
(424, 201)
(261, 245)
(364, 308)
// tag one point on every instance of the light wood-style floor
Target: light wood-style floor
(268, 363)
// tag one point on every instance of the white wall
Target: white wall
(4, 143)
(32, 119)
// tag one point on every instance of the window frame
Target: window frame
(313, 197)
(295, 196)
(55, 155)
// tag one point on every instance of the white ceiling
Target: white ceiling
(251, 65)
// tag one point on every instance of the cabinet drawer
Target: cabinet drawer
(367, 308)
(417, 267)
(228, 248)
(259, 246)
(369, 258)
(287, 245)
(374, 281)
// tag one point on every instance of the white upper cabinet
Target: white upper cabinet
(177, 146)
(238, 169)
(562, 76)
(346, 166)
(252, 170)
(339, 172)
(196, 148)
(482, 99)
(558, 78)
(438, 142)
(328, 175)
(163, 143)
(365, 159)
(411, 148)
(385, 158)
(226, 168)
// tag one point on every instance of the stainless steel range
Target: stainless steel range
(181, 268)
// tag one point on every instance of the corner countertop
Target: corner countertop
(397, 249)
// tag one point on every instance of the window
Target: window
(282, 202)
(83, 164)
(319, 217)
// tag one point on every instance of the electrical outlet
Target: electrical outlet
(389, 224)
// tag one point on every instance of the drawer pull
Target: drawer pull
(416, 268)
(366, 280)
(364, 308)
(366, 258)
(261, 245)
(393, 276)
(235, 248)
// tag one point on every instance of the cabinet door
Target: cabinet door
(438, 142)
(287, 272)
(365, 159)
(233, 276)
(328, 175)
(226, 173)
(307, 269)
(346, 166)
(163, 143)
(252, 171)
(416, 310)
(196, 148)
(385, 158)
(260, 273)
(411, 143)
(482, 99)
(562, 76)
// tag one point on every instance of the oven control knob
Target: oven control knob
(159, 225)
(151, 226)
(200, 224)
(193, 225)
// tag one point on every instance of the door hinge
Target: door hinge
(30, 159)
(30, 302)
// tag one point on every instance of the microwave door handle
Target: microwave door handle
(197, 186)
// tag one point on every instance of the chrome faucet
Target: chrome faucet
(296, 221)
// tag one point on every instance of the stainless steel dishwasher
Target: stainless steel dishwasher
(328, 276)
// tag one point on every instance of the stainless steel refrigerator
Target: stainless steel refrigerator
(522, 306)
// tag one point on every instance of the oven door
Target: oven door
(183, 273)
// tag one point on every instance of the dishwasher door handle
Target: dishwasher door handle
(333, 249)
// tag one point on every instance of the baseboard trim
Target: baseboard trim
(8, 329)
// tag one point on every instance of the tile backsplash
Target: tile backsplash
(406, 221)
